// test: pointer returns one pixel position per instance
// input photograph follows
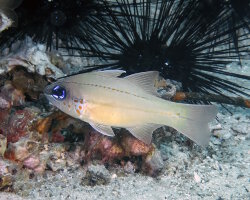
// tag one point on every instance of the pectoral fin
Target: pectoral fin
(144, 132)
(105, 130)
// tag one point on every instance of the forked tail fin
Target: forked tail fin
(192, 121)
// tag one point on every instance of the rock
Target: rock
(4, 104)
(19, 123)
(54, 123)
(103, 148)
(242, 128)
(135, 147)
(129, 167)
(5, 21)
(31, 56)
(40, 168)
(17, 151)
(215, 141)
(223, 134)
(3, 145)
(56, 164)
(153, 163)
(30, 84)
(6, 179)
(165, 151)
(32, 162)
(215, 127)
(9, 96)
(96, 175)
(57, 137)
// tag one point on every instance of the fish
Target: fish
(106, 100)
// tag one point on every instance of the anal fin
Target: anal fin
(103, 129)
(144, 132)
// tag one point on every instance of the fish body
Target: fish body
(104, 100)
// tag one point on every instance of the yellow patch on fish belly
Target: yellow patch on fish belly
(110, 115)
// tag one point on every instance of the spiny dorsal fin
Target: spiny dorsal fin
(110, 73)
(144, 132)
(145, 80)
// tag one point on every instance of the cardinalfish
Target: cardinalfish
(105, 100)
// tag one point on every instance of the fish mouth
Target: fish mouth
(48, 90)
(48, 94)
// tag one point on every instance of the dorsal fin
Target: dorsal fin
(110, 73)
(145, 80)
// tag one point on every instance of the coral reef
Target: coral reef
(41, 146)
(36, 139)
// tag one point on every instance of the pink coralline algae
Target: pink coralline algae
(9, 96)
(16, 126)
(109, 150)
(101, 147)
(32, 162)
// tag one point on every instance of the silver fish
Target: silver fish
(104, 100)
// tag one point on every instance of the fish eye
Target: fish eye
(59, 92)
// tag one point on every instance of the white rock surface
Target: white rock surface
(31, 56)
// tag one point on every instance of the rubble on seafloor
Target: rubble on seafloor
(36, 138)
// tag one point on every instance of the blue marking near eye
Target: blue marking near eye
(58, 92)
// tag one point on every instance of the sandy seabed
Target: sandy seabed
(221, 171)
